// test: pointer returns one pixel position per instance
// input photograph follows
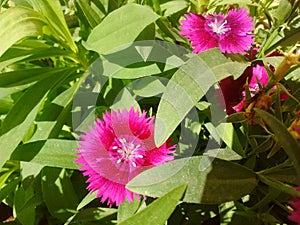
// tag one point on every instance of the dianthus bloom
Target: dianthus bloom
(234, 93)
(230, 32)
(295, 214)
(117, 149)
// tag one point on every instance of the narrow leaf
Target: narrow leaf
(52, 11)
(17, 23)
(289, 144)
(159, 211)
(10, 140)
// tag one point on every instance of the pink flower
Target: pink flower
(117, 149)
(257, 76)
(230, 32)
(295, 214)
(234, 90)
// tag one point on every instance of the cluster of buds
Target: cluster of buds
(263, 100)
(260, 100)
(294, 128)
(291, 58)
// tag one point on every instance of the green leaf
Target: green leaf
(51, 10)
(230, 2)
(58, 192)
(120, 27)
(30, 169)
(124, 100)
(26, 76)
(188, 85)
(30, 99)
(53, 152)
(101, 215)
(65, 101)
(6, 104)
(279, 185)
(90, 14)
(283, 11)
(10, 140)
(137, 72)
(209, 180)
(173, 7)
(87, 199)
(6, 171)
(162, 208)
(37, 49)
(223, 153)
(226, 132)
(126, 209)
(8, 188)
(286, 37)
(5, 92)
(148, 87)
(289, 144)
(25, 202)
(17, 23)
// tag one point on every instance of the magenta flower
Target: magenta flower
(230, 32)
(234, 90)
(257, 76)
(117, 149)
(295, 214)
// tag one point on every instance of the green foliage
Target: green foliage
(158, 211)
(120, 27)
(63, 63)
(209, 181)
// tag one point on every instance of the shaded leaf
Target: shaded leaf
(58, 192)
(289, 144)
(10, 140)
(30, 99)
(53, 152)
(209, 180)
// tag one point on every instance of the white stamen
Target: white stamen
(218, 27)
(123, 140)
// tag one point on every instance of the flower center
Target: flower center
(129, 150)
(219, 25)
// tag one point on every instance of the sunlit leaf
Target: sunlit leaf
(188, 85)
(17, 23)
(120, 27)
(161, 208)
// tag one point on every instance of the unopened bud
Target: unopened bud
(294, 128)
(290, 59)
